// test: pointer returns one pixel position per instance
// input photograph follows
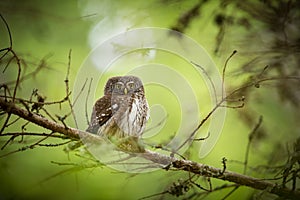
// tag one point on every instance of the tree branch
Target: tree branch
(164, 160)
(11, 108)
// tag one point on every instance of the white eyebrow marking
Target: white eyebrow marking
(114, 106)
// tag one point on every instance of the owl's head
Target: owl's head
(123, 85)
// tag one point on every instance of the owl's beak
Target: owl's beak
(125, 90)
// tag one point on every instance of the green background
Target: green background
(49, 29)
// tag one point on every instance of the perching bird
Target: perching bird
(123, 110)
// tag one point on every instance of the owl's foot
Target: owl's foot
(131, 145)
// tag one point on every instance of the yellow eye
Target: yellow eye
(130, 85)
(118, 86)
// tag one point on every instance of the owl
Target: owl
(123, 111)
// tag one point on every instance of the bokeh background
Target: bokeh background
(263, 33)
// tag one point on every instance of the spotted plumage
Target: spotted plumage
(122, 111)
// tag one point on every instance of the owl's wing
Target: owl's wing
(102, 112)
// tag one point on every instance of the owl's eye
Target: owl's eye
(130, 85)
(118, 86)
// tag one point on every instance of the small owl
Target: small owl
(123, 110)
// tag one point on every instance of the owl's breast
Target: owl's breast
(132, 121)
(129, 117)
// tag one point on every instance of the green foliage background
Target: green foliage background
(49, 29)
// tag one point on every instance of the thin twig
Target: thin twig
(54, 145)
(8, 30)
(5, 123)
(34, 134)
(224, 70)
(250, 139)
(86, 102)
(231, 192)
(209, 78)
(25, 147)
(200, 125)
(80, 92)
(68, 88)
(218, 104)
(36, 102)
(19, 70)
